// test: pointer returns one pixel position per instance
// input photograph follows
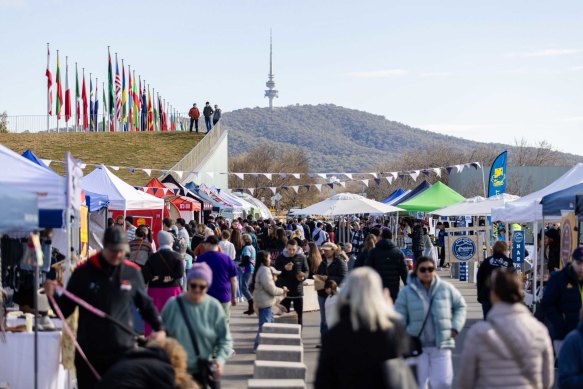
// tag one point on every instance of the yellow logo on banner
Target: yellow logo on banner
(498, 177)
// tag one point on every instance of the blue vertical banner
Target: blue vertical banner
(497, 180)
(518, 249)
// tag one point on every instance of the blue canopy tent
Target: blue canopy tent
(422, 187)
(393, 195)
(28, 154)
(19, 210)
(96, 201)
(579, 208)
(563, 200)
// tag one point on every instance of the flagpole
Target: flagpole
(96, 105)
(57, 113)
(104, 104)
(121, 97)
(128, 101)
(90, 103)
(66, 87)
(48, 89)
(76, 97)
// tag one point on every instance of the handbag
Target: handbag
(416, 346)
(205, 367)
(318, 282)
(397, 374)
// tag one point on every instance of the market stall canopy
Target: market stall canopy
(476, 206)
(563, 200)
(437, 196)
(96, 201)
(172, 183)
(528, 208)
(27, 176)
(393, 195)
(398, 198)
(348, 204)
(19, 210)
(261, 208)
(422, 187)
(237, 201)
(28, 154)
(122, 196)
(216, 206)
(579, 207)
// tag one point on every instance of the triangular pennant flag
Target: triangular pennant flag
(307, 187)
(395, 175)
(240, 175)
(348, 175)
(154, 190)
(283, 175)
(330, 185)
(179, 173)
(48, 162)
(389, 179)
(437, 171)
(311, 175)
(476, 165)
(378, 181)
(449, 169)
(318, 186)
(323, 175)
(425, 172)
(251, 190)
(296, 175)
(375, 175)
(295, 188)
(284, 187)
(273, 189)
(414, 175)
(131, 170)
(459, 168)
(136, 187)
(365, 182)
(254, 175)
(166, 191)
(147, 171)
(219, 190)
(342, 184)
(267, 175)
(175, 191)
(116, 168)
(164, 172)
(83, 166)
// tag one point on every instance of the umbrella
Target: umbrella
(348, 204)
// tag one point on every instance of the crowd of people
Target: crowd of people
(375, 306)
(210, 116)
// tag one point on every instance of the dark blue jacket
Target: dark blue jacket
(571, 360)
(561, 302)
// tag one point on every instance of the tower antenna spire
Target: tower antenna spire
(271, 92)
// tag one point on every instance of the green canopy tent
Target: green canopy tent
(436, 197)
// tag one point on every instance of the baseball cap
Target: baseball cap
(212, 240)
(329, 246)
(578, 254)
(116, 239)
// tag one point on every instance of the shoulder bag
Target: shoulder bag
(205, 367)
(416, 346)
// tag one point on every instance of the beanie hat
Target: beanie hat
(578, 254)
(165, 238)
(201, 271)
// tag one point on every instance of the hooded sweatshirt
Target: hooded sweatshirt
(289, 278)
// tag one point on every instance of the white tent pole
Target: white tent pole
(542, 257)
(534, 264)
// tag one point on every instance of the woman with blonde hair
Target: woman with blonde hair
(314, 259)
(368, 329)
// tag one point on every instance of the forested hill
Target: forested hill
(336, 138)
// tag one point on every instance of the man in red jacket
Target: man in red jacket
(194, 115)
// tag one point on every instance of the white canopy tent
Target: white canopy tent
(528, 208)
(122, 196)
(476, 206)
(257, 204)
(348, 204)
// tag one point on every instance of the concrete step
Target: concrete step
(280, 353)
(282, 328)
(286, 318)
(275, 384)
(279, 370)
(280, 339)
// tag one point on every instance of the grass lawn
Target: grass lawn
(155, 150)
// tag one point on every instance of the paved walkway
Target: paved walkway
(243, 328)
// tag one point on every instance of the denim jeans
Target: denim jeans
(246, 278)
(239, 281)
(486, 306)
(323, 324)
(265, 316)
(207, 122)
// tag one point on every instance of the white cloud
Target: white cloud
(436, 74)
(550, 52)
(385, 73)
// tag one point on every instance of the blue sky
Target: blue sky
(491, 71)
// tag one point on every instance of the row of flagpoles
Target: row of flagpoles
(130, 106)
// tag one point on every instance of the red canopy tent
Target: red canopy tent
(176, 206)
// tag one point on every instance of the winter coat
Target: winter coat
(265, 289)
(140, 368)
(335, 272)
(571, 360)
(388, 260)
(561, 302)
(194, 113)
(289, 278)
(417, 239)
(448, 309)
(361, 258)
(486, 360)
(207, 111)
(164, 263)
(486, 268)
(353, 359)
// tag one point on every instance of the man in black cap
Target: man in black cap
(562, 299)
(110, 283)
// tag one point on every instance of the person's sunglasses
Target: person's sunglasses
(198, 286)
(426, 269)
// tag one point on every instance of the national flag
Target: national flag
(91, 118)
(96, 109)
(49, 83)
(173, 119)
(144, 117)
(155, 114)
(84, 98)
(77, 97)
(130, 101)
(111, 103)
(59, 88)
(104, 107)
(124, 94)
(117, 91)
(67, 94)
(150, 113)
(135, 103)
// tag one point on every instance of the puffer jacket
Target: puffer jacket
(388, 260)
(290, 278)
(486, 361)
(448, 309)
(265, 289)
(571, 360)
(336, 272)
